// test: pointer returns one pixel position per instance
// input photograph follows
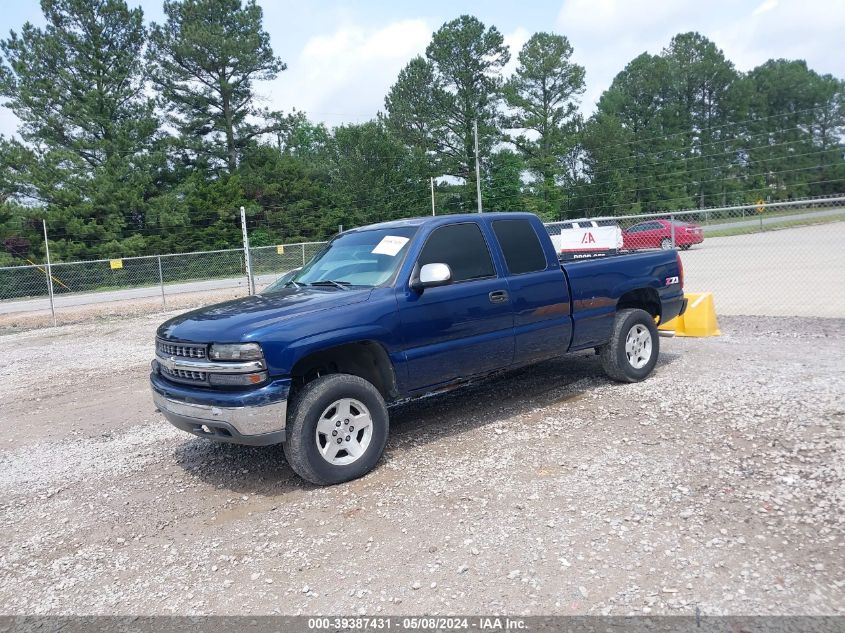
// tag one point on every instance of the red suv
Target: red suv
(658, 234)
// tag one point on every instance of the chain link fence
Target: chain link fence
(784, 258)
(26, 288)
(775, 259)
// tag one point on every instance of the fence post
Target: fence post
(672, 224)
(161, 283)
(49, 272)
(303, 253)
(247, 260)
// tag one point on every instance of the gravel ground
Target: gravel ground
(717, 484)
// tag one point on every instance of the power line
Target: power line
(726, 125)
(738, 149)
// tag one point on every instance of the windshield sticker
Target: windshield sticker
(390, 245)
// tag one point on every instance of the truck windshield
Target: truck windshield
(360, 258)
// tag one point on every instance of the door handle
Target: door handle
(498, 296)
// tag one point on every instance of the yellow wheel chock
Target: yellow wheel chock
(699, 318)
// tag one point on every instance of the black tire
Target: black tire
(686, 247)
(306, 408)
(614, 358)
(666, 244)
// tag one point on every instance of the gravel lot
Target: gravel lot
(717, 484)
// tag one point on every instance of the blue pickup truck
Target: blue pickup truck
(396, 310)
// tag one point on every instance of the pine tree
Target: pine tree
(440, 99)
(543, 113)
(77, 85)
(207, 57)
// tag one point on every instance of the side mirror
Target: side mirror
(431, 276)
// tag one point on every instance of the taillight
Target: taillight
(680, 269)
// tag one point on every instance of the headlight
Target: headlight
(237, 380)
(236, 351)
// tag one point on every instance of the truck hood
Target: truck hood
(233, 321)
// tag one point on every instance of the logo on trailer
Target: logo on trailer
(588, 238)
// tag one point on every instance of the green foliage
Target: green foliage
(374, 178)
(705, 99)
(289, 197)
(436, 101)
(503, 189)
(797, 120)
(543, 114)
(205, 59)
(640, 148)
(115, 177)
(91, 152)
(685, 129)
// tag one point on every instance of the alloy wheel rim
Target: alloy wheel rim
(638, 346)
(344, 432)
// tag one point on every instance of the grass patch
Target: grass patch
(750, 214)
(746, 230)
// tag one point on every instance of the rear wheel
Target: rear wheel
(634, 345)
(337, 429)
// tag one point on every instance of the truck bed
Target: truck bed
(595, 284)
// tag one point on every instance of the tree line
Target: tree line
(147, 138)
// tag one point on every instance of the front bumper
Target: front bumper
(257, 417)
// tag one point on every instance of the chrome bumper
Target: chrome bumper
(255, 425)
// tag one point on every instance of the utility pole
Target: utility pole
(432, 195)
(477, 168)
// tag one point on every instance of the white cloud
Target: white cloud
(515, 40)
(768, 5)
(790, 29)
(607, 34)
(344, 75)
(618, 18)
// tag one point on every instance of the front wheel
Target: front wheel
(634, 345)
(337, 428)
(666, 244)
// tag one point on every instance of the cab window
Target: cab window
(520, 245)
(463, 248)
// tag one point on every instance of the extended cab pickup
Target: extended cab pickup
(397, 310)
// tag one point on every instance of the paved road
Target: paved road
(127, 294)
(767, 220)
(790, 272)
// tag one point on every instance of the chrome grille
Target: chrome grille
(183, 375)
(181, 350)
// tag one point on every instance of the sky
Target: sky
(343, 56)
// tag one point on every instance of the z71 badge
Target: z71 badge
(672, 280)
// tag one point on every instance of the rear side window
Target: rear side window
(463, 248)
(521, 246)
